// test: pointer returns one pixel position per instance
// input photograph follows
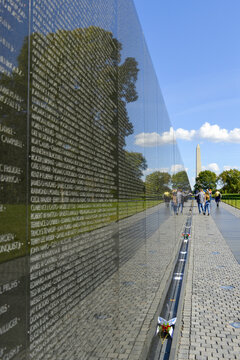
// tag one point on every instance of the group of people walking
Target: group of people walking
(204, 199)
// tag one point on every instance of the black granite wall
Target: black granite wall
(77, 92)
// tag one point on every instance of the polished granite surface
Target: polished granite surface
(229, 225)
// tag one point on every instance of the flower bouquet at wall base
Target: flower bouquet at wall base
(165, 327)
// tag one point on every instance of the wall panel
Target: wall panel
(85, 239)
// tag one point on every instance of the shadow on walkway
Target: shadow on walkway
(229, 226)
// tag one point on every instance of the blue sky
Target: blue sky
(194, 46)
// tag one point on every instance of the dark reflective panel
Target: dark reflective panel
(132, 236)
(13, 179)
(88, 170)
(75, 141)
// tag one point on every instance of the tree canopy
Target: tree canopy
(229, 181)
(206, 180)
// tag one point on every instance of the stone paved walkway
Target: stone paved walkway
(209, 309)
(131, 297)
(231, 209)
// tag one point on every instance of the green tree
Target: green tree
(157, 183)
(137, 162)
(229, 180)
(180, 180)
(206, 180)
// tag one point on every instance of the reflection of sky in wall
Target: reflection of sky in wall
(152, 117)
(156, 121)
(83, 14)
(18, 32)
(14, 32)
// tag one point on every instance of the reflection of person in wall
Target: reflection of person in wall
(217, 197)
(62, 193)
(167, 198)
(174, 202)
(180, 200)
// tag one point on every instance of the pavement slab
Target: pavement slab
(212, 295)
(231, 209)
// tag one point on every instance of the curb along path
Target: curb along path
(209, 307)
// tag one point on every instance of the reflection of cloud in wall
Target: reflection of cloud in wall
(207, 131)
(167, 137)
(177, 167)
(155, 139)
(150, 171)
(173, 170)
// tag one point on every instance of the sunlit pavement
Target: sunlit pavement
(212, 298)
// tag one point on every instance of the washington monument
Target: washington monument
(198, 161)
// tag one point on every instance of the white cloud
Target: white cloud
(185, 134)
(228, 167)
(207, 131)
(215, 168)
(212, 167)
(213, 133)
(216, 134)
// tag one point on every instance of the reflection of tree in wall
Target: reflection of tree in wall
(131, 170)
(137, 163)
(81, 88)
(180, 181)
(85, 70)
(157, 183)
(13, 115)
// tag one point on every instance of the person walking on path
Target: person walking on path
(207, 203)
(200, 197)
(198, 200)
(217, 197)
